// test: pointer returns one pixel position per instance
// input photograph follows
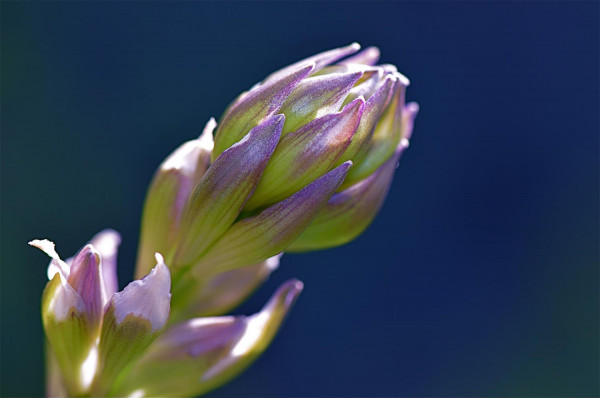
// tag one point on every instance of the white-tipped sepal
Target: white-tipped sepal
(169, 192)
(133, 318)
(72, 305)
(198, 355)
(149, 298)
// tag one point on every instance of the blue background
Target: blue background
(479, 277)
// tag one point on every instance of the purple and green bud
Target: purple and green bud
(72, 309)
(301, 161)
(198, 355)
(133, 318)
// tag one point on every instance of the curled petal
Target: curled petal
(224, 189)
(259, 237)
(201, 354)
(306, 154)
(255, 107)
(349, 212)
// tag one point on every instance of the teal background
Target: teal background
(480, 276)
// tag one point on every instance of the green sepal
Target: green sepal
(120, 344)
(70, 338)
(198, 355)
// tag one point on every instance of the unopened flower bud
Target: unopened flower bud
(199, 355)
(169, 192)
(132, 320)
(72, 305)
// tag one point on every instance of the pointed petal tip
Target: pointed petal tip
(354, 46)
(405, 81)
(357, 103)
(206, 141)
(106, 242)
(149, 298)
(285, 296)
(160, 260)
(278, 119)
(369, 56)
(413, 108)
(346, 165)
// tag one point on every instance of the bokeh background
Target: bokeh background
(479, 277)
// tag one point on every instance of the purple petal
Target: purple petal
(169, 193)
(271, 231)
(223, 292)
(224, 189)
(196, 356)
(256, 106)
(320, 60)
(411, 110)
(148, 298)
(374, 107)
(348, 213)
(87, 280)
(107, 243)
(306, 154)
(368, 56)
(386, 137)
(315, 97)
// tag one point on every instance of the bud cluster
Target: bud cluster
(302, 161)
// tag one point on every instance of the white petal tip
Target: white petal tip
(46, 246)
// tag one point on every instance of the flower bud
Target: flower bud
(107, 243)
(306, 154)
(272, 230)
(221, 194)
(201, 354)
(132, 320)
(72, 305)
(349, 212)
(168, 195)
(216, 294)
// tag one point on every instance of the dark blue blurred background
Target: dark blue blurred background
(480, 276)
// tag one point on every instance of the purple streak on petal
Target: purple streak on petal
(349, 212)
(225, 188)
(255, 107)
(374, 107)
(260, 329)
(87, 280)
(368, 56)
(306, 154)
(199, 337)
(271, 231)
(221, 293)
(315, 97)
(320, 60)
(107, 243)
(284, 298)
